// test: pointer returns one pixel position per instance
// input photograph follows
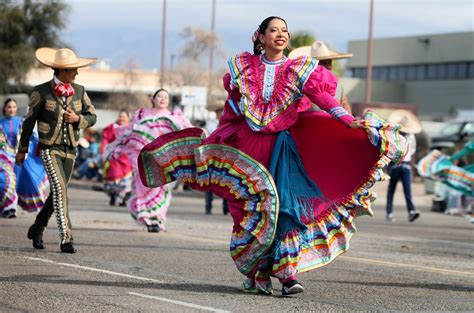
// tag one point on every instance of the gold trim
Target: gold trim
(77, 105)
(82, 122)
(43, 127)
(50, 105)
(35, 98)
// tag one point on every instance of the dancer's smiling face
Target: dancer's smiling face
(10, 109)
(161, 100)
(276, 36)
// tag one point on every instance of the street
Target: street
(422, 266)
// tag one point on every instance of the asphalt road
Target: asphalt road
(422, 266)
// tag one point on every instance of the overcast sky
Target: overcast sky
(121, 30)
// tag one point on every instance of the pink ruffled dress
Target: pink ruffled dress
(295, 179)
(148, 206)
(117, 171)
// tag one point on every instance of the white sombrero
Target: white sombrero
(319, 51)
(61, 58)
(409, 122)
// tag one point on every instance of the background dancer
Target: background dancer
(146, 205)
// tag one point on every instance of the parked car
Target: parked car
(454, 133)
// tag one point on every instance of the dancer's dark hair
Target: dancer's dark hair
(6, 102)
(257, 45)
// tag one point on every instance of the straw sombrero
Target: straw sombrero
(61, 58)
(409, 122)
(319, 51)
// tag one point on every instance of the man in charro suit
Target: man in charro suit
(61, 109)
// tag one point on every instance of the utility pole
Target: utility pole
(368, 82)
(211, 50)
(163, 46)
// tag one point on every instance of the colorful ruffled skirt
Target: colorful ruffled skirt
(147, 206)
(438, 166)
(293, 195)
(119, 187)
(26, 185)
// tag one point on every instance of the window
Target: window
(420, 72)
(452, 71)
(471, 70)
(394, 73)
(436, 71)
(431, 71)
(411, 73)
(451, 129)
(462, 70)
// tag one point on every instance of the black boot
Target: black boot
(113, 197)
(68, 248)
(34, 234)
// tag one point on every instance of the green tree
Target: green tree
(301, 38)
(305, 38)
(24, 27)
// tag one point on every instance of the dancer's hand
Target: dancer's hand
(20, 158)
(70, 116)
(357, 123)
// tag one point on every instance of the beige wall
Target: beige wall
(453, 47)
(437, 97)
(433, 98)
(382, 91)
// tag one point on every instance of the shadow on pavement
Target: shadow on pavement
(57, 279)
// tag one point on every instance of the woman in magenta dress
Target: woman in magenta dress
(295, 178)
(148, 206)
(117, 171)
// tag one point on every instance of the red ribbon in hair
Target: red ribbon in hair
(63, 90)
(255, 34)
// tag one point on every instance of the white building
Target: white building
(433, 72)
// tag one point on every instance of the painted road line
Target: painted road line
(186, 304)
(355, 259)
(87, 268)
(416, 267)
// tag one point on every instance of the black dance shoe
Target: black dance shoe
(68, 248)
(153, 228)
(291, 288)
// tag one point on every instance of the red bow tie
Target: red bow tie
(63, 90)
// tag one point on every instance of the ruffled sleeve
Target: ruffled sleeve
(233, 96)
(181, 119)
(108, 135)
(320, 89)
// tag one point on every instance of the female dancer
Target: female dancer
(25, 185)
(295, 178)
(117, 172)
(148, 206)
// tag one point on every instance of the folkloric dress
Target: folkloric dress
(117, 171)
(25, 184)
(441, 167)
(148, 206)
(295, 178)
